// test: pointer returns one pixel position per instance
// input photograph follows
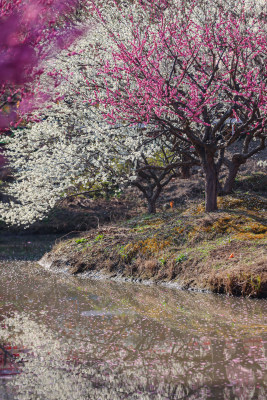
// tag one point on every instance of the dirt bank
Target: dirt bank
(223, 251)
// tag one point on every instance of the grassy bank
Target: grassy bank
(223, 251)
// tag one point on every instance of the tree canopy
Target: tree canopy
(193, 80)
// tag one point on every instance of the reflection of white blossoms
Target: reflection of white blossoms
(57, 369)
(104, 340)
(51, 370)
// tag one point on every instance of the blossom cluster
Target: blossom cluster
(191, 69)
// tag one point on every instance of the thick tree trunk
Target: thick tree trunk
(211, 183)
(233, 167)
(152, 196)
(151, 206)
(230, 180)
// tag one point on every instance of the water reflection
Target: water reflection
(25, 247)
(105, 340)
(8, 355)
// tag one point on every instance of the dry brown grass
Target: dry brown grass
(223, 251)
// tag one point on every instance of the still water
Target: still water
(65, 337)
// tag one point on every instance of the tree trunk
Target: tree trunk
(152, 196)
(211, 183)
(230, 180)
(185, 172)
(151, 206)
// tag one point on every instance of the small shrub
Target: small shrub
(98, 237)
(163, 261)
(123, 253)
(180, 258)
(82, 240)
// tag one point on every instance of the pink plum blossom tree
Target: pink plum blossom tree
(186, 73)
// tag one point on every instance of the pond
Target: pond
(64, 337)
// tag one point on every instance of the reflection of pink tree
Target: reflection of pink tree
(245, 363)
(8, 356)
(2, 159)
(30, 31)
(2, 164)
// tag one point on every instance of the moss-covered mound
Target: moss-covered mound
(224, 251)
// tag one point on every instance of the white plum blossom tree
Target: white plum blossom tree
(72, 147)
